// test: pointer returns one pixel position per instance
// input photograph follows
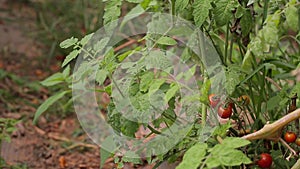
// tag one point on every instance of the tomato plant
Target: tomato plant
(290, 137)
(265, 160)
(256, 44)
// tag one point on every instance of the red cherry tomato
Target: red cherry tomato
(213, 100)
(225, 111)
(290, 137)
(297, 141)
(265, 160)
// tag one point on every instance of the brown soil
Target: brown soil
(50, 144)
(55, 142)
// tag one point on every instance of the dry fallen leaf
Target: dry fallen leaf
(62, 162)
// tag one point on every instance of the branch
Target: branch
(297, 165)
(273, 131)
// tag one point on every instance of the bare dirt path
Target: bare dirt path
(54, 142)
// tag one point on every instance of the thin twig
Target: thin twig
(128, 43)
(76, 144)
(287, 146)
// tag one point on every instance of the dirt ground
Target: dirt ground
(55, 142)
(51, 144)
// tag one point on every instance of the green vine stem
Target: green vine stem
(204, 108)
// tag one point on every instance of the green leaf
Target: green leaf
(104, 155)
(171, 92)
(232, 79)
(134, 12)
(127, 65)
(239, 12)
(53, 79)
(145, 3)
(235, 142)
(70, 57)
(250, 2)
(228, 156)
(124, 55)
(132, 157)
(270, 35)
(213, 162)
(101, 75)
(129, 128)
(107, 150)
(273, 102)
(193, 157)
(155, 85)
(166, 41)
(109, 57)
(180, 5)
(112, 10)
(200, 11)
(185, 55)
(10, 129)
(66, 71)
(295, 90)
(100, 45)
(222, 129)
(86, 38)
(222, 11)
(247, 62)
(157, 59)
(205, 92)
(267, 37)
(146, 80)
(292, 19)
(43, 107)
(135, 1)
(232, 157)
(190, 73)
(68, 42)
(246, 23)
(204, 133)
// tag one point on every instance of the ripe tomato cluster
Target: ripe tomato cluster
(291, 137)
(224, 109)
